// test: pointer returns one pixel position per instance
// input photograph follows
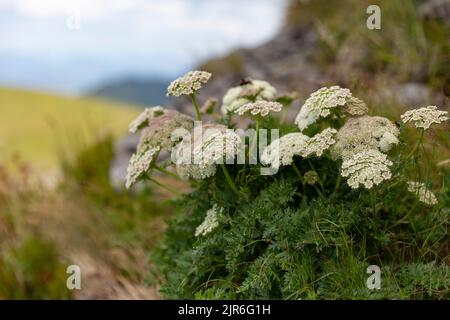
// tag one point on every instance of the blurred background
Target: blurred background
(74, 73)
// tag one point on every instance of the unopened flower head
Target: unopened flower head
(161, 129)
(211, 221)
(145, 118)
(320, 103)
(366, 168)
(364, 133)
(311, 177)
(139, 164)
(283, 150)
(261, 107)
(188, 84)
(251, 91)
(423, 194)
(425, 117)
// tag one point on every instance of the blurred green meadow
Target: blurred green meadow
(36, 126)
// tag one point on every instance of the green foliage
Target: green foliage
(32, 270)
(286, 243)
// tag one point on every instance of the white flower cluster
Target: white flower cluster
(140, 164)
(144, 118)
(211, 221)
(260, 107)
(188, 84)
(320, 103)
(251, 91)
(423, 194)
(195, 171)
(162, 128)
(355, 107)
(364, 133)
(159, 125)
(425, 117)
(368, 168)
(317, 144)
(311, 177)
(283, 150)
(197, 157)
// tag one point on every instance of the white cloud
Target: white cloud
(55, 8)
(130, 36)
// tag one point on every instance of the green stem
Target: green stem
(167, 172)
(163, 186)
(413, 151)
(255, 140)
(297, 171)
(229, 180)
(318, 176)
(372, 200)
(197, 109)
(284, 113)
(338, 183)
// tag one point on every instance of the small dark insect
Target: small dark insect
(245, 81)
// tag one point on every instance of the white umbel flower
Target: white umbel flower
(188, 84)
(262, 108)
(367, 168)
(283, 150)
(425, 117)
(195, 171)
(161, 130)
(251, 91)
(364, 133)
(144, 118)
(211, 221)
(197, 157)
(423, 194)
(139, 164)
(321, 102)
(218, 147)
(317, 144)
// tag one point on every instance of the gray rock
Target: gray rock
(123, 150)
(413, 94)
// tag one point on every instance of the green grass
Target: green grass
(38, 126)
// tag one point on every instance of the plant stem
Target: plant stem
(163, 186)
(167, 172)
(338, 183)
(255, 141)
(297, 171)
(284, 113)
(372, 200)
(229, 180)
(413, 151)
(198, 116)
(318, 176)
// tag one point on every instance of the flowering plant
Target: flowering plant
(248, 232)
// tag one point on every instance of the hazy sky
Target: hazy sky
(70, 45)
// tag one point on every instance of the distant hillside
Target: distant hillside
(39, 127)
(144, 92)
